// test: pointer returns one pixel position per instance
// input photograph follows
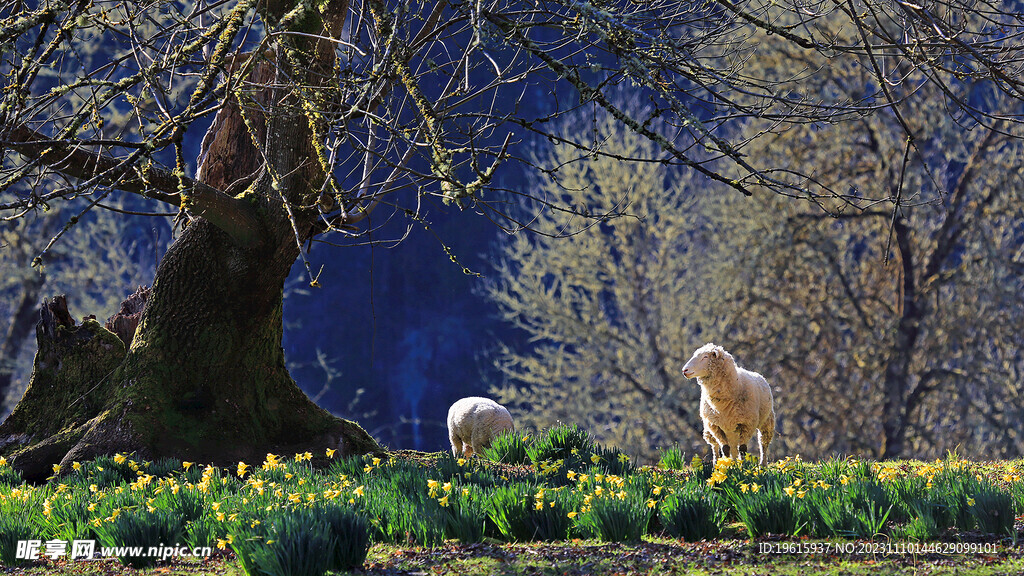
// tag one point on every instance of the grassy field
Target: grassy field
(553, 504)
(578, 558)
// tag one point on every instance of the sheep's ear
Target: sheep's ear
(714, 353)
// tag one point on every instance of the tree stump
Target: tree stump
(70, 385)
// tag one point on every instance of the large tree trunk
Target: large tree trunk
(205, 377)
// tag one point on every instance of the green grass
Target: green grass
(655, 556)
(574, 490)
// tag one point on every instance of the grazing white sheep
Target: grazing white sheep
(474, 422)
(734, 402)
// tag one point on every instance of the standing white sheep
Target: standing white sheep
(734, 402)
(474, 422)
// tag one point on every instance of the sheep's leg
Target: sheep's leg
(718, 440)
(742, 451)
(722, 439)
(481, 439)
(710, 439)
(764, 437)
(456, 445)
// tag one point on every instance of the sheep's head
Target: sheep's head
(703, 361)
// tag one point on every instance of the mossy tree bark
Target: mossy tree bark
(204, 378)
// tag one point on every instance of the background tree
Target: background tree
(328, 111)
(885, 333)
(609, 308)
(894, 332)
